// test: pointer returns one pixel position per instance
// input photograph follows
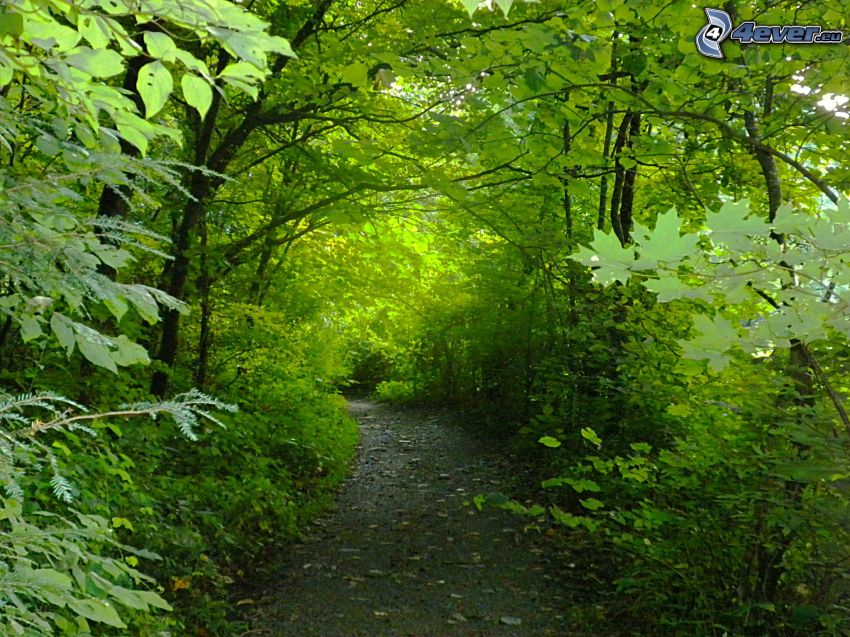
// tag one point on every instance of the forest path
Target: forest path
(402, 555)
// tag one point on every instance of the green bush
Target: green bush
(395, 391)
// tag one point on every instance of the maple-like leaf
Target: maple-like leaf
(664, 244)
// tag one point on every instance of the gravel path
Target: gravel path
(405, 554)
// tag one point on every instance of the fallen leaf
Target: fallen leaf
(510, 621)
(181, 583)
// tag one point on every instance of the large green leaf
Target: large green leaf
(197, 93)
(609, 259)
(160, 46)
(665, 245)
(96, 351)
(734, 225)
(96, 62)
(154, 86)
(63, 328)
(97, 610)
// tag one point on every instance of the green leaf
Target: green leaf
(592, 504)
(63, 328)
(788, 221)
(665, 245)
(716, 335)
(242, 70)
(246, 45)
(94, 30)
(612, 262)
(197, 93)
(97, 610)
(579, 485)
(51, 578)
(126, 596)
(30, 327)
(496, 499)
(355, 74)
(6, 74)
(152, 599)
(667, 288)
(117, 306)
(49, 34)
(505, 6)
(144, 302)
(549, 441)
(96, 62)
(114, 257)
(160, 46)
(96, 352)
(588, 434)
(471, 6)
(11, 24)
(135, 130)
(733, 225)
(154, 86)
(129, 353)
(193, 64)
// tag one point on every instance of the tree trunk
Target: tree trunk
(619, 170)
(773, 542)
(628, 196)
(205, 336)
(175, 277)
(175, 273)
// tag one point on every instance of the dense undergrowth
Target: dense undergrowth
(207, 510)
(703, 502)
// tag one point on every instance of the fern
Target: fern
(24, 417)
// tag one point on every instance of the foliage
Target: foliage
(783, 290)
(775, 280)
(56, 579)
(395, 391)
(69, 136)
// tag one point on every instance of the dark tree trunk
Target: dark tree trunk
(773, 543)
(205, 336)
(619, 172)
(176, 273)
(175, 283)
(628, 196)
(603, 181)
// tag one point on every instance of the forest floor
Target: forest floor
(405, 553)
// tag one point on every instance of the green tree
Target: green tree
(65, 132)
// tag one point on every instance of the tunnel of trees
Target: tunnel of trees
(626, 258)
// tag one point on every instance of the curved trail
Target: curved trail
(402, 555)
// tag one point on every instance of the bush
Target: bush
(395, 391)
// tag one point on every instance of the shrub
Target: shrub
(395, 391)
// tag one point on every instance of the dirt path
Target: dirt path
(403, 555)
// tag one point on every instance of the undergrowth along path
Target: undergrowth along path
(405, 553)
